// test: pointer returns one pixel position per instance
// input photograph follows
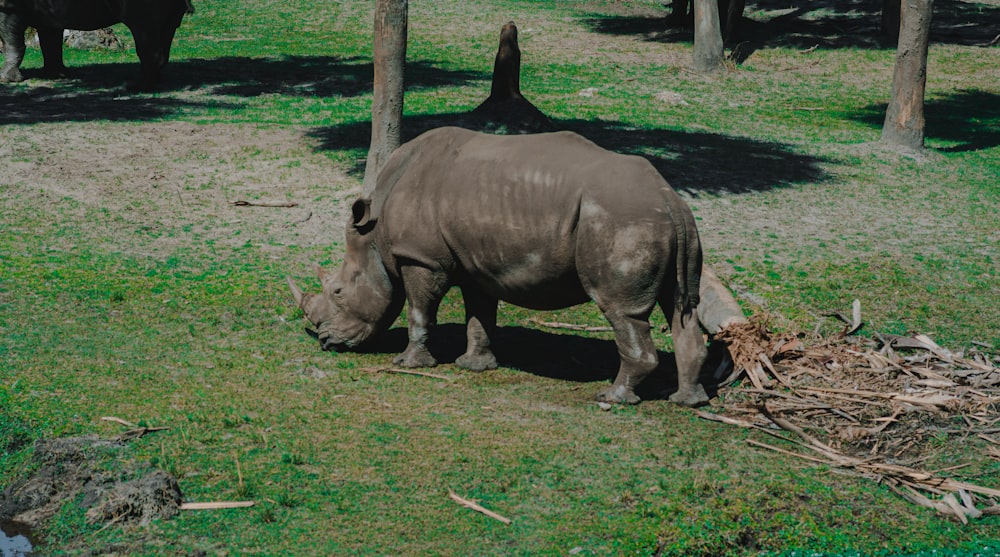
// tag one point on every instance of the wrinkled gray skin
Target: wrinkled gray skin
(152, 23)
(541, 221)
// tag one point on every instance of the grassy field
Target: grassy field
(131, 286)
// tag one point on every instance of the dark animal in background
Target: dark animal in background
(543, 221)
(152, 23)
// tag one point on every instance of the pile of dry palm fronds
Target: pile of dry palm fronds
(867, 405)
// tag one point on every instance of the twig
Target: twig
(994, 42)
(309, 216)
(571, 326)
(215, 505)
(262, 204)
(137, 433)
(405, 372)
(476, 507)
(118, 420)
(724, 419)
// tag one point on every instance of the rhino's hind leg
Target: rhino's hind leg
(638, 358)
(480, 323)
(424, 290)
(690, 353)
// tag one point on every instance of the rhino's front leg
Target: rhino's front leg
(424, 290)
(480, 323)
(50, 39)
(12, 34)
(638, 358)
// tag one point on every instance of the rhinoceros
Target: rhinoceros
(152, 23)
(542, 221)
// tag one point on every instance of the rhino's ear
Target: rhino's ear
(361, 213)
(322, 273)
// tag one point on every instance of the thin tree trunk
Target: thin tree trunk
(904, 119)
(708, 48)
(389, 53)
(506, 110)
(507, 66)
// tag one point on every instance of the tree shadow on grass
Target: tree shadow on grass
(303, 76)
(566, 357)
(99, 91)
(34, 105)
(969, 118)
(828, 24)
(693, 162)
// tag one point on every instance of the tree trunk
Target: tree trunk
(507, 66)
(889, 25)
(708, 47)
(389, 53)
(904, 119)
(506, 110)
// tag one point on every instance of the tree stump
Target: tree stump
(506, 110)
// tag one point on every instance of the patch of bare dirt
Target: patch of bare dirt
(160, 187)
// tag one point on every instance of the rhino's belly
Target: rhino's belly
(529, 288)
(85, 16)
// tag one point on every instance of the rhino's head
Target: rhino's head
(359, 300)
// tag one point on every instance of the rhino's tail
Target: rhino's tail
(688, 255)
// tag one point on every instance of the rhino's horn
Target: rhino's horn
(301, 298)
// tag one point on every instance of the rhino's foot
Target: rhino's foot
(12, 75)
(477, 362)
(691, 396)
(618, 394)
(415, 357)
(54, 72)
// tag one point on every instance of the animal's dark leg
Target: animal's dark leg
(51, 39)
(690, 352)
(638, 357)
(152, 46)
(12, 29)
(480, 323)
(424, 290)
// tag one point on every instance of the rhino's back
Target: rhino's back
(524, 216)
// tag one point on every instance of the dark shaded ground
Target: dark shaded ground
(562, 356)
(970, 118)
(823, 23)
(99, 91)
(695, 163)
(39, 105)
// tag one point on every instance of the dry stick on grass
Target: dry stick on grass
(134, 433)
(118, 420)
(477, 507)
(262, 204)
(404, 372)
(570, 326)
(215, 505)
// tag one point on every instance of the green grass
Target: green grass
(188, 324)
